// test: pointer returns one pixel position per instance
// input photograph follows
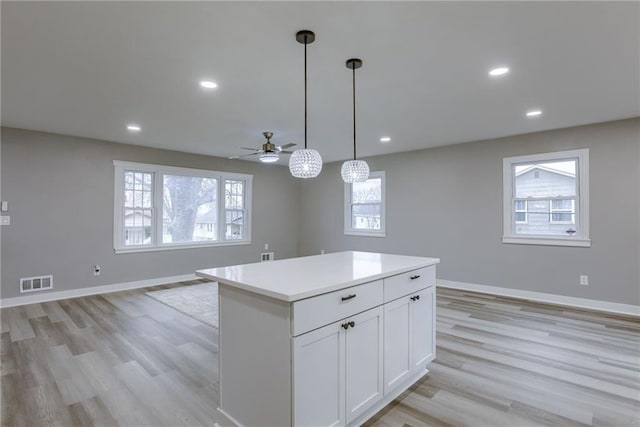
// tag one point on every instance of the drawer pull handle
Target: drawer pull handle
(417, 276)
(415, 298)
(348, 297)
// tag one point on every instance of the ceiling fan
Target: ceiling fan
(269, 153)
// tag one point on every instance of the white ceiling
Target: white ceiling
(89, 68)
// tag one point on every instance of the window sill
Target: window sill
(365, 234)
(547, 241)
(173, 247)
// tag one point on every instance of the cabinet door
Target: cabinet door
(318, 377)
(423, 328)
(397, 341)
(363, 362)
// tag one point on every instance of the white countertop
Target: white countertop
(298, 278)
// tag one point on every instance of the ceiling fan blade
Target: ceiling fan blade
(286, 152)
(240, 156)
(285, 146)
(252, 149)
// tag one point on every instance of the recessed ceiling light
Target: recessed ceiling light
(500, 71)
(208, 84)
(134, 128)
(385, 139)
(534, 113)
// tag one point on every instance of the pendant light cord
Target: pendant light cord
(353, 69)
(305, 92)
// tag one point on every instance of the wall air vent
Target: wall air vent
(32, 284)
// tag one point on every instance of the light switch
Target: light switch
(5, 220)
(5, 206)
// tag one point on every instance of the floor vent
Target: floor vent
(32, 284)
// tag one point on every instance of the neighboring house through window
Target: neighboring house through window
(546, 199)
(364, 206)
(521, 211)
(162, 207)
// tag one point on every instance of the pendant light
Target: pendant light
(354, 170)
(306, 163)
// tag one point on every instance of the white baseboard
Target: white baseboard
(93, 290)
(591, 304)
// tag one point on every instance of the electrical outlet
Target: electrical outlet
(266, 256)
(96, 270)
(584, 280)
(5, 220)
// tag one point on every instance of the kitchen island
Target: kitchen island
(322, 340)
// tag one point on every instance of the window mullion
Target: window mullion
(222, 227)
(157, 208)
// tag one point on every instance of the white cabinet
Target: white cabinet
(325, 340)
(338, 370)
(318, 377)
(397, 342)
(408, 336)
(363, 362)
(423, 309)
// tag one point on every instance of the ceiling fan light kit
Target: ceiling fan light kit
(306, 163)
(354, 170)
(269, 157)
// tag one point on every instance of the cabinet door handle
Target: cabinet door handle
(352, 323)
(415, 298)
(348, 297)
(345, 325)
(417, 276)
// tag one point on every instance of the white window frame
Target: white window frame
(348, 229)
(158, 171)
(571, 211)
(581, 237)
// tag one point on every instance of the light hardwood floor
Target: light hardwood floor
(126, 359)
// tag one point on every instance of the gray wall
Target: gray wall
(430, 193)
(60, 193)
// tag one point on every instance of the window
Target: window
(563, 211)
(162, 207)
(546, 199)
(521, 211)
(364, 207)
(137, 211)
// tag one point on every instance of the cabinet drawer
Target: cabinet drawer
(406, 283)
(318, 311)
